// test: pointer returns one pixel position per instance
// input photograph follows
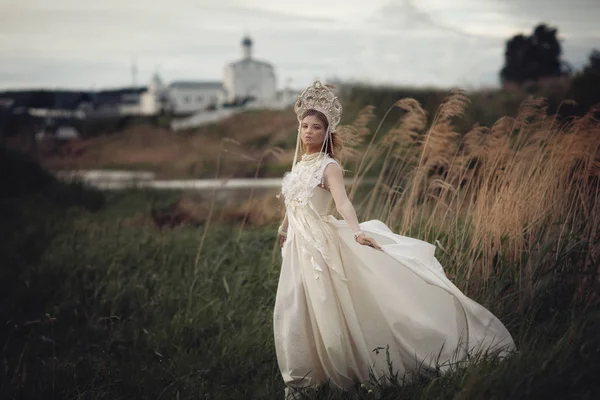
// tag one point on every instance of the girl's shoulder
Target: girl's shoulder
(329, 160)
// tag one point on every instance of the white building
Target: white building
(155, 100)
(188, 97)
(247, 83)
(249, 78)
(143, 101)
(179, 98)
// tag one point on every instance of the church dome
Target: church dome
(247, 41)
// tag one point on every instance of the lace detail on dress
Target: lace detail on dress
(297, 186)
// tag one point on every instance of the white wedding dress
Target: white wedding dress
(338, 301)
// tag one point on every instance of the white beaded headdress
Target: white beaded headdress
(318, 97)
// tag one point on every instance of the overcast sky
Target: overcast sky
(91, 44)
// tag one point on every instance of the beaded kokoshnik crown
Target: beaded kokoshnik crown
(318, 97)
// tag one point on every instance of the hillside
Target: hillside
(239, 141)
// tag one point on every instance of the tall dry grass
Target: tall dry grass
(522, 195)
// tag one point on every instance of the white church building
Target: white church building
(249, 78)
(247, 83)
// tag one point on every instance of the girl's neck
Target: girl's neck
(310, 151)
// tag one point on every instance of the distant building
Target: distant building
(187, 97)
(47, 103)
(57, 132)
(178, 98)
(247, 84)
(155, 100)
(249, 78)
(116, 102)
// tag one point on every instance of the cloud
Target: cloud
(426, 42)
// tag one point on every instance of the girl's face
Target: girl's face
(312, 132)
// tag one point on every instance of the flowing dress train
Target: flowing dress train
(340, 305)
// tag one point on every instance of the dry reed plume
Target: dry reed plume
(523, 193)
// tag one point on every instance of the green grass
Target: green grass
(110, 311)
(99, 304)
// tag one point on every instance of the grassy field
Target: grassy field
(103, 299)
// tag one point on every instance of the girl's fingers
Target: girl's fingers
(368, 241)
(374, 244)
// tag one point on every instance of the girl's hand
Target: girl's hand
(368, 241)
(282, 240)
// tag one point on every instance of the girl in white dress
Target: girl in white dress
(348, 290)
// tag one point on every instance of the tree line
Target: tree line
(529, 59)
